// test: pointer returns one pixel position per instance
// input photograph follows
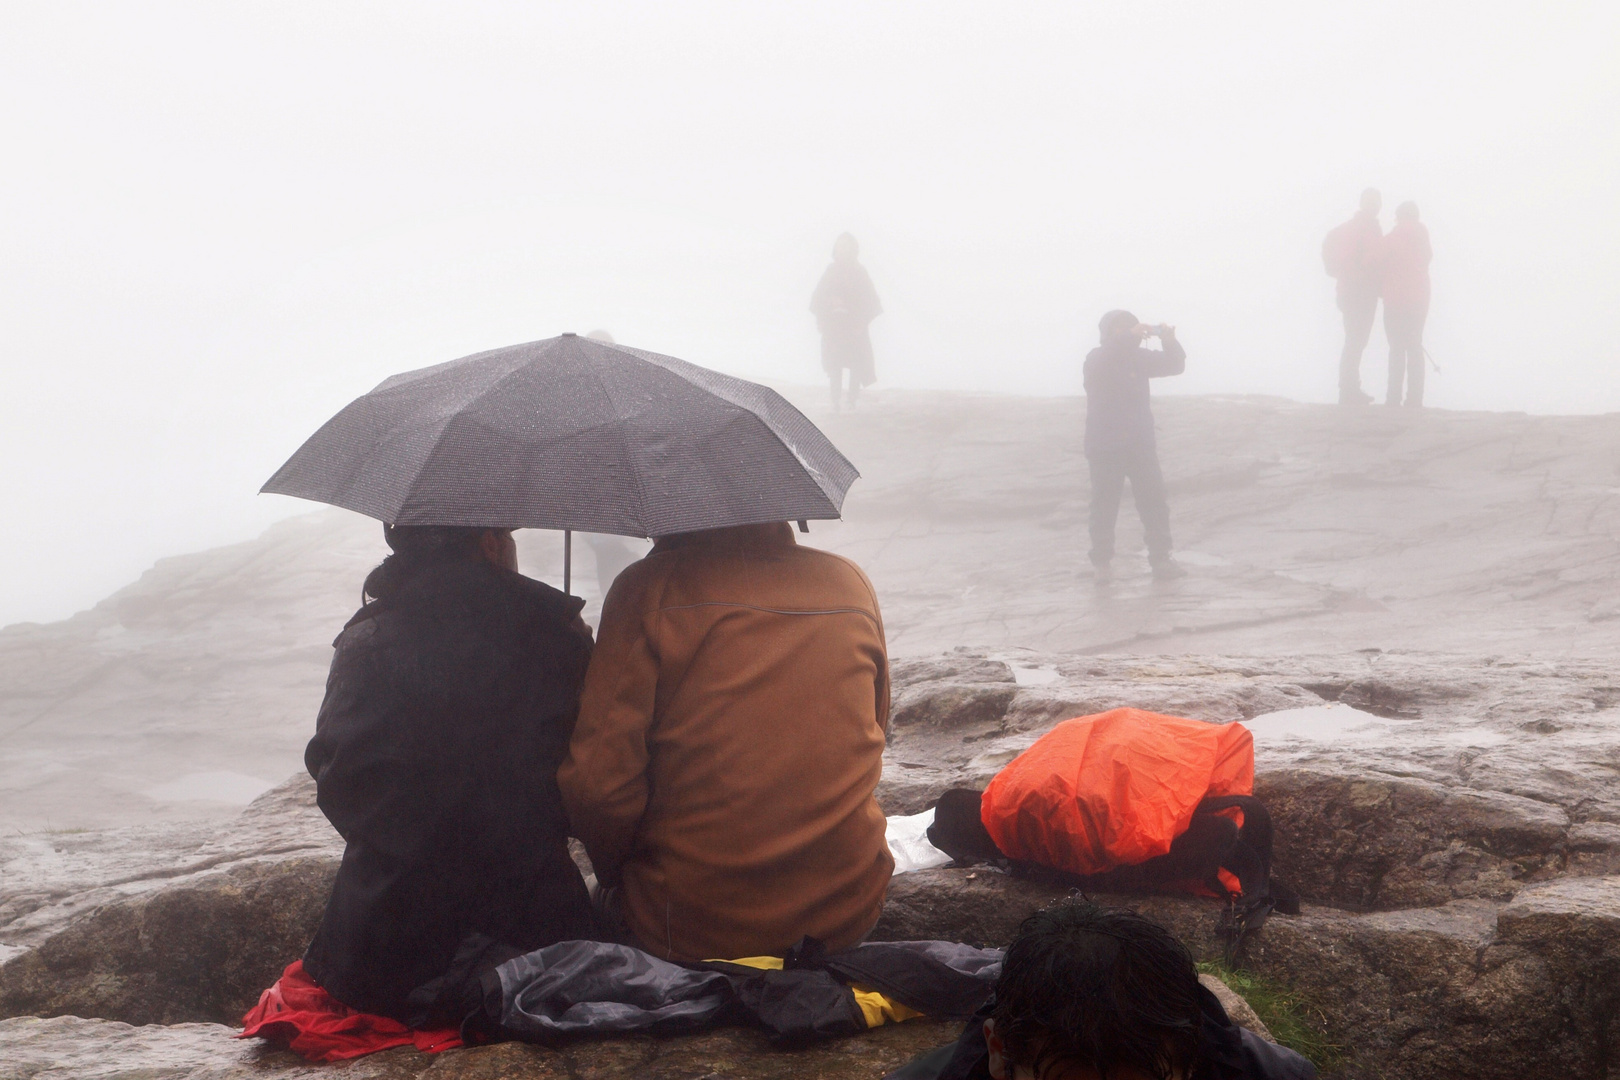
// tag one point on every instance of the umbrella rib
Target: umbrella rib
(624, 441)
(674, 366)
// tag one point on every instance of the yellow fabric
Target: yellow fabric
(877, 1008)
(764, 963)
(880, 1009)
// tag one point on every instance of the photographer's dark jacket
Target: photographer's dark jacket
(449, 706)
(1119, 413)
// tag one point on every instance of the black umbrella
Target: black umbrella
(574, 434)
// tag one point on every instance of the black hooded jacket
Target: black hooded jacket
(449, 706)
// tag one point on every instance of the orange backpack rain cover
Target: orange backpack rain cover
(1100, 792)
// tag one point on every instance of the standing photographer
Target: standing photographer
(1119, 437)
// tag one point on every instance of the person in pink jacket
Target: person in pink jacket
(1404, 285)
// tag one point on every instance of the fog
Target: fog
(219, 223)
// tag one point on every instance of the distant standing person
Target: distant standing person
(1351, 254)
(844, 304)
(1405, 277)
(1120, 444)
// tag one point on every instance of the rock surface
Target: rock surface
(1307, 529)
(1430, 778)
(48, 880)
(1455, 827)
(69, 1048)
(201, 949)
(1240, 1011)
(1469, 989)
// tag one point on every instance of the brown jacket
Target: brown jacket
(729, 740)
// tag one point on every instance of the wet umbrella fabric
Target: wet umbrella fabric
(571, 433)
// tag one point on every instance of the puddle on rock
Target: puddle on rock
(1343, 725)
(227, 787)
(1044, 675)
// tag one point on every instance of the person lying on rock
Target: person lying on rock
(729, 741)
(1087, 993)
(449, 706)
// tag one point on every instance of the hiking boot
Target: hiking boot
(1167, 569)
(1102, 574)
(1356, 396)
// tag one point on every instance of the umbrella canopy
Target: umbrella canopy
(571, 433)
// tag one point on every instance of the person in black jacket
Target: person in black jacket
(449, 706)
(1119, 437)
(1086, 992)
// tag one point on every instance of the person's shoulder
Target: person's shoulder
(641, 581)
(543, 597)
(845, 571)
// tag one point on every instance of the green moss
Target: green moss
(1294, 1021)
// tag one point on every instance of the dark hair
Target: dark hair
(1106, 989)
(958, 829)
(415, 546)
(1119, 316)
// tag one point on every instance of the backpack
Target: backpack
(1128, 801)
(1339, 251)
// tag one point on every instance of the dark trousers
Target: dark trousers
(1404, 328)
(835, 382)
(1359, 314)
(1109, 471)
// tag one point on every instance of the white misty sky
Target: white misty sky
(220, 222)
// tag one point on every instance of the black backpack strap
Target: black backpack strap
(1257, 829)
(1257, 834)
(1250, 862)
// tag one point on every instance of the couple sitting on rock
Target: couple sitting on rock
(716, 750)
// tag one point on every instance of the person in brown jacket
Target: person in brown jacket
(729, 741)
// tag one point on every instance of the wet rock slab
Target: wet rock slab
(1468, 989)
(1454, 822)
(202, 949)
(1409, 779)
(70, 1048)
(47, 880)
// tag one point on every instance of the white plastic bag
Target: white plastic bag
(908, 843)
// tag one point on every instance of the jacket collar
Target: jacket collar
(444, 584)
(766, 535)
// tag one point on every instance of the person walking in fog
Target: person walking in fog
(1351, 254)
(844, 304)
(1120, 444)
(1404, 275)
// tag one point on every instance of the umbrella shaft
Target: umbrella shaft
(568, 561)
